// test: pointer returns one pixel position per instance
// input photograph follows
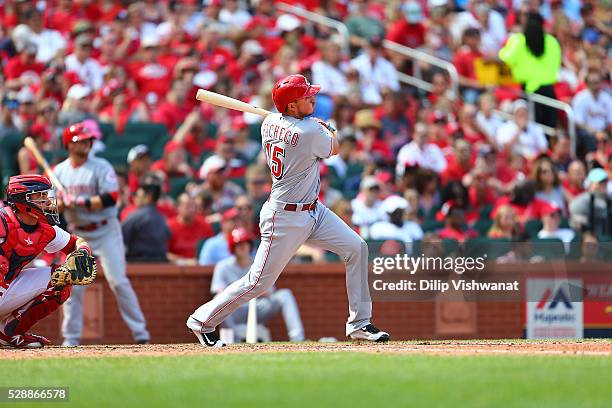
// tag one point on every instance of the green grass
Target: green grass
(330, 379)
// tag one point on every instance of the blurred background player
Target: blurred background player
(272, 302)
(89, 208)
(27, 228)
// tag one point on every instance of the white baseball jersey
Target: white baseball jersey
(293, 149)
(94, 177)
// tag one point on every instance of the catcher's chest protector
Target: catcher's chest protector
(19, 247)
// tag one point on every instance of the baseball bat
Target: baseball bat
(30, 144)
(230, 103)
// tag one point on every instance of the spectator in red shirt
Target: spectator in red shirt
(465, 62)
(408, 30)
(468, 126)
(186, 230)
(460, 162)
(193, 135)
(23, 69)
(523, 201)
(573, 184)
(153, 73)
(173, 110)
(455, 225)
(174, 163)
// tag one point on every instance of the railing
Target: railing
(553, 103)
(429, 59)
(418, 82)
(319, 19)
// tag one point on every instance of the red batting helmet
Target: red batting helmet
(290, 89)
(20, 191)
(75, 133)
(238, 236)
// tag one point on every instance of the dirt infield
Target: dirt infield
(476, 347)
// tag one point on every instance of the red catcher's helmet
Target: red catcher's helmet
(20, 194)
(238, 236)
(290, 89)
(75, 133)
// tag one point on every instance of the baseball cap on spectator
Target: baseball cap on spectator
(437, 117)
(437, 3)
(519, 104)
(149, 41)
(83, 39)
(384, 177)
(218, 61)
(446, 209)
(252, 47)
(205, 79)
(549, 209)
(80, 27)
(597, 176)
(365, 119)
(238, 123)
(212, 164)
(230, 214)
(78, 91)
(368, 183)
(40, 131)
(137, 152)
(21, 36)
(287, 22)
(413, 12)
(394, 203)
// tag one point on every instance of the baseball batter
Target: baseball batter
(89, 208)
(294, 145)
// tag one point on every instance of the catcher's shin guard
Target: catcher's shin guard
(37, 309)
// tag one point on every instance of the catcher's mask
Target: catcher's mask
(33, 194)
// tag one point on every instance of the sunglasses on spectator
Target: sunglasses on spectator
(244, 207)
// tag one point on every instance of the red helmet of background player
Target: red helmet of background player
(22, 194)
(290, 89)
(238, 236)
(75, 133)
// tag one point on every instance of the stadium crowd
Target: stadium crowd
(413, 165)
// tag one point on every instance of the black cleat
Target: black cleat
(370, 333)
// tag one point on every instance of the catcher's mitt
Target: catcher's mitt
(79, 269)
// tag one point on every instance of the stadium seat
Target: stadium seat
(548, 248)
(451, 246)
(177, 185)
(492, 248)
(532, 227)
(107, 129)
(11, 143)
(483, 225)
(430, 225)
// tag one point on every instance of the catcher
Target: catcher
(27, 227)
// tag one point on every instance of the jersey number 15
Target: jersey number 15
(276, 155)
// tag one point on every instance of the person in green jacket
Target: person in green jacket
(534, 57)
